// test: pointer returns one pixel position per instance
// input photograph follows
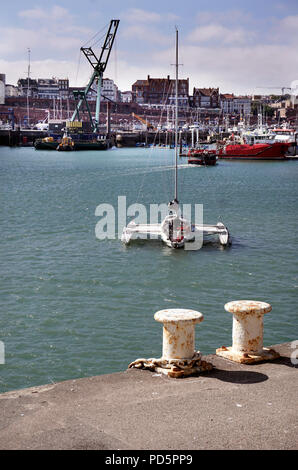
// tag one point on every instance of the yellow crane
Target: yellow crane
(144, 121)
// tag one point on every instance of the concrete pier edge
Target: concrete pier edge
(234, 406)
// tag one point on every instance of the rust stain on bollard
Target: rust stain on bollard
(179, 358)
(247, 345)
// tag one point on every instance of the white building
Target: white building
(2, 88)
(126, 96)
(235, 104)
(109, 90)
(11, 90)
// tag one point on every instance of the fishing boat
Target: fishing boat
(175, 230)
(259, 144)
(203, 154)
(286, 135)
(274, 151)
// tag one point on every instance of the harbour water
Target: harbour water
(75, 306)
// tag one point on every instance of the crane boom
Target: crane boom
(99, 66)
(144, 121)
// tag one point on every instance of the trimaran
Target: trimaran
(175, 230)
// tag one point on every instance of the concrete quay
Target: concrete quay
(234, 406)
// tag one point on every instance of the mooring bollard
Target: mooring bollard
(178, 332)
(247, 335)
(179, 358)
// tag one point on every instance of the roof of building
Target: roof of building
(227, 96)
(206, 91)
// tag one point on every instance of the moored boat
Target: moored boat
(79, 142)
(66, 144)
(203, 154)
(259, 144)
(47, 143)
(286, 135)
(274, 151)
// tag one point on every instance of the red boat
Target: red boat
(204, 155)
(273, 151)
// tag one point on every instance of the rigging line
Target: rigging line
(94, 35)
(78, 67)
(116, 60)
(98, 41)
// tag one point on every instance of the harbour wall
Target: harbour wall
(233, 406)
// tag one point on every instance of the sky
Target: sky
(242, 47)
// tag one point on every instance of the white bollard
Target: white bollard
(247, 332)
(178, 332)
(179, 358)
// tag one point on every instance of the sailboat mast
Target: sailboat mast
(176, 121)
(28, 89)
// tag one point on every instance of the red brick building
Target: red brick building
(206, 97)
(160, 91)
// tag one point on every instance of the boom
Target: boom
(99, 66)
(144, 121)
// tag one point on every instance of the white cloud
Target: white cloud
(286, 29)
(238, 69)
(34, 14)
(145, 34)
(225, 17)
(141, 16)
(219, 33)
(136, 15)
(220, 52)
(38, 39)
(55, 13)
(45, 69)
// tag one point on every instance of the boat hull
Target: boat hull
(199, 157)
(276, 151)
(202, 161)
(83, 145)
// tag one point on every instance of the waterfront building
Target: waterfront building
(109, 90)
(230, 104)
(23, 84)
(11, 90)
(160, 91)
(126, 96)
(52, 88)
(206, 98)
(47, 88)
(2, 88)
(44, 88)
(63, 85)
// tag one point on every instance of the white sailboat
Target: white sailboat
(175, 230)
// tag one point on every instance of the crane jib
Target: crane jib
(99, 66)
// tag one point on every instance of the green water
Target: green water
(75, 306)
